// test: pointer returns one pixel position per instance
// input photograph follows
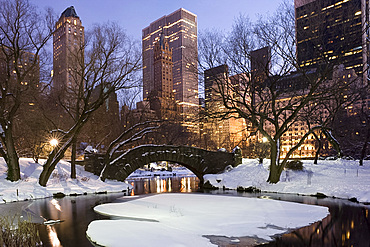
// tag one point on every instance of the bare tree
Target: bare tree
(23, 34)
(274, 90)
(108, 64)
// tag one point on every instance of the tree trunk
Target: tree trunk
(274, 175)
(364, 147)
(49, 166)
(334, 143)
(73, 158)
(14, 173)
(319, 139)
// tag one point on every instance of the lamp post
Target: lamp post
(54, 142)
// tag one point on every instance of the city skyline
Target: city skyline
(134, 16)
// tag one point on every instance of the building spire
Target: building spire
(162, 39)
(70, 12)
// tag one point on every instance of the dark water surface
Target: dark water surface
(347, 225)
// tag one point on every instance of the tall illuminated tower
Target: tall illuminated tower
(67, 42)
(180, 30)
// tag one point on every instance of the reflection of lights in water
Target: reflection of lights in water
(265, 197)
(169, 185)
(161, 185)
(185, 185)
(158, 186)
(352, 224)
(132, 191)
(53, 236)
(55, 203)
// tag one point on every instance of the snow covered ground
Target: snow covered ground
(60, 181)
(334, 178)
(184, 219)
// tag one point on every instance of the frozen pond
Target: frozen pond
(348, 223)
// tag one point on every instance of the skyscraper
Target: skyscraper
(332, 31)
(67, 40)
(180, 29)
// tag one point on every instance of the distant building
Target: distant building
(223, 130)
(26, 81)
(260, 64)
(104, 124)
(180, 30)
(68, 41)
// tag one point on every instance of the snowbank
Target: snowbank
(334, 178)
(28, 188)
(184, 219)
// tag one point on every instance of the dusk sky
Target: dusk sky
(134, 15)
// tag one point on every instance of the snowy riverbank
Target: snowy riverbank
(28, 188)
(334, 178)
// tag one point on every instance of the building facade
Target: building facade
(222, 130)
(68, 53)
(336, 32)
(332, 31)
(180, 30)
(161, 98)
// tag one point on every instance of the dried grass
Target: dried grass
(15, 232)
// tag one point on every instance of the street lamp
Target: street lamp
(54, 142)
(264, 139)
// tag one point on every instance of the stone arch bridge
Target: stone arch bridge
(197, 160)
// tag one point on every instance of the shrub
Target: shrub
(295, 165)
(16, 232)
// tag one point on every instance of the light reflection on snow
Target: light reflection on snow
(53, 236)
(55, 203)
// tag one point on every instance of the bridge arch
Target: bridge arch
(197, 160)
